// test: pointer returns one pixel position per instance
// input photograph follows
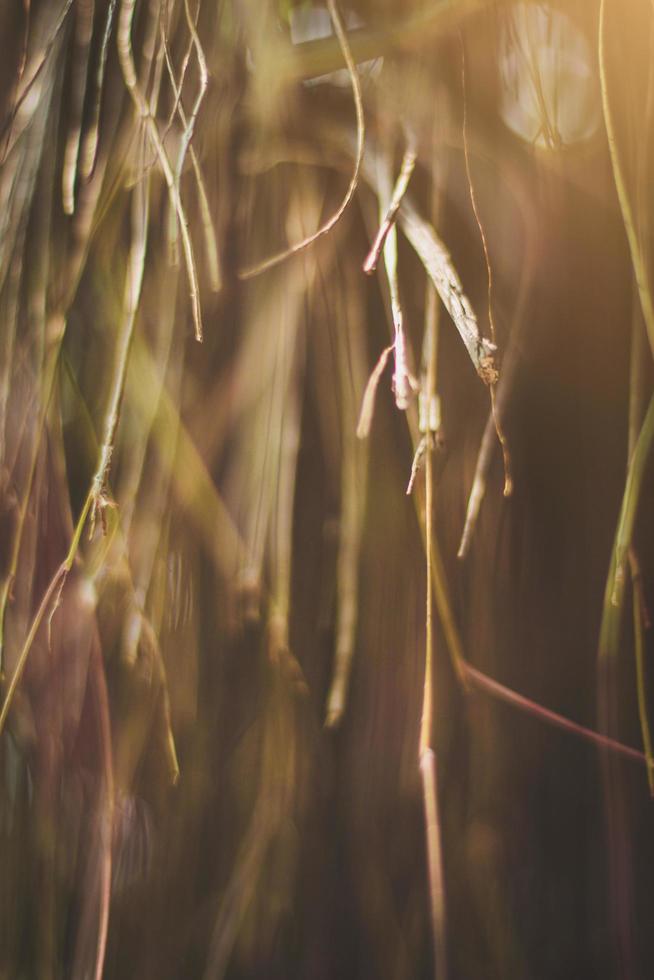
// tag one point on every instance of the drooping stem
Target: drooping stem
(499, 429)
(331, 222)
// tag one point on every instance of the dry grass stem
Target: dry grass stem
(211, 247)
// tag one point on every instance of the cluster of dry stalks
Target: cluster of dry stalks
(228, 569)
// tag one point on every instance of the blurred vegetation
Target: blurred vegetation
(264, 712)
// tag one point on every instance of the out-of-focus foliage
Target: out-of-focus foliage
(213, 594)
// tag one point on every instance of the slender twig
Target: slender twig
(499, 691)
(128, 68)
(368, 401)
(501, 436)
(427, 756)
(615, 582)
(354, 479)
(640, 271)
(637, 381)
(186, 60)
(611, 628)
(211, 246)
(204, 83)
(510, 362)
(439, 266)
(133, 285)
(190, 121)
(388, 220)
(324, 229)
(403, 383)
